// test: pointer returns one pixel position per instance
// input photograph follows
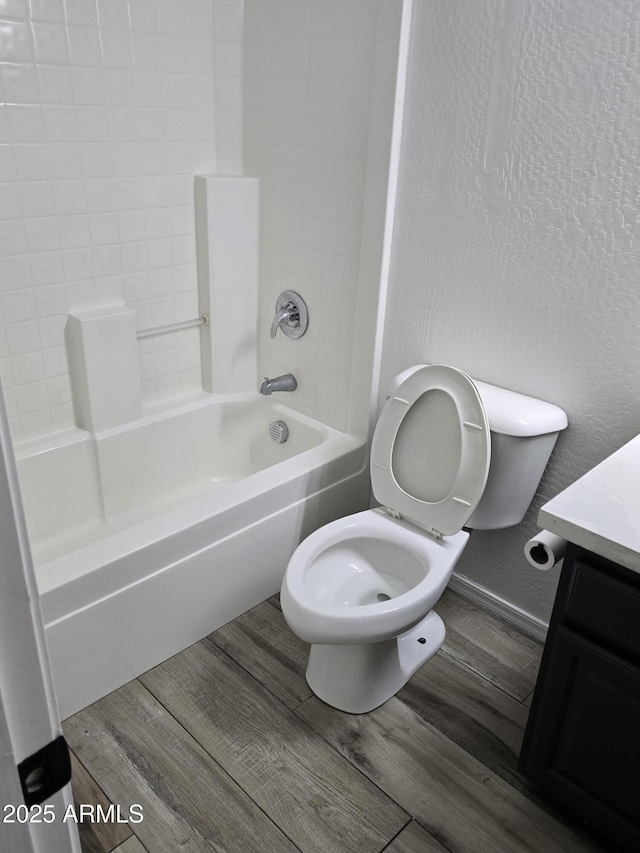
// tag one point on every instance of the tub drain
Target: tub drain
(278, 432)
(382, 596)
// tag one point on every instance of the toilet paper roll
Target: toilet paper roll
(545, 550)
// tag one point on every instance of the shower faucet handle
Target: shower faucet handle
(288, 315)
(291, 315)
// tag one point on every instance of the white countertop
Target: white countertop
(601, 510)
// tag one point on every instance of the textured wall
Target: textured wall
(517, 241)
(107, 109)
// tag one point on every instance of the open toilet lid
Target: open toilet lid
(431, 450)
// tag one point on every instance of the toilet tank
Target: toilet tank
(524, 431)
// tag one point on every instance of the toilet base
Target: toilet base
(359, 678)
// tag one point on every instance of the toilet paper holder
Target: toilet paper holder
(545, 550)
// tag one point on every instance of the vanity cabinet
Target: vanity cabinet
(582, 742)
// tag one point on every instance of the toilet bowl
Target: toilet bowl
(361, 590)
(358, 590)
(365, 578)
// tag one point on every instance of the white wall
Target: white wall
(107, 110)
(517, 240)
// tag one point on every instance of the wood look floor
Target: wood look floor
(226, 749)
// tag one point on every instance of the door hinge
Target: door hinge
(46, 771)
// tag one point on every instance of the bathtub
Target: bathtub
(147, 537)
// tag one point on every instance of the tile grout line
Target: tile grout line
(399, 832)
(483, 677)
(121, 845)
(104, 794)
(223, 770)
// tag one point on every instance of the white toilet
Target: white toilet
(446, 452)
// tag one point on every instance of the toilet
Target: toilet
(447, 454)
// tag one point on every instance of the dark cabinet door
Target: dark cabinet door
(584, 744)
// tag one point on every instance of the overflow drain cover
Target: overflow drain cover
(278, 432)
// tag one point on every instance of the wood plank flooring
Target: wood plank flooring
(226, 749)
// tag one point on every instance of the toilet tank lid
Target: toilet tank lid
(509, 412)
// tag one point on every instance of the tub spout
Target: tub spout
(279, 383)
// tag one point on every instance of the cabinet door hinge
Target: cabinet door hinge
(45, 772)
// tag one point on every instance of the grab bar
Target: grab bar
(173, 327)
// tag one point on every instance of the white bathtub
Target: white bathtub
(147, 538)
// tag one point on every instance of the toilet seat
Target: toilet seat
(431, 450)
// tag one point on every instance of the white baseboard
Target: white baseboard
(527, 623)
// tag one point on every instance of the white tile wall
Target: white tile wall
(107, 110)
(308, 84)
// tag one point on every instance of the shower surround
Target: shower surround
(108, 109)
(158, 508)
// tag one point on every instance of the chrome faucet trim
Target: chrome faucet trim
(287, 382)
(291, 315)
